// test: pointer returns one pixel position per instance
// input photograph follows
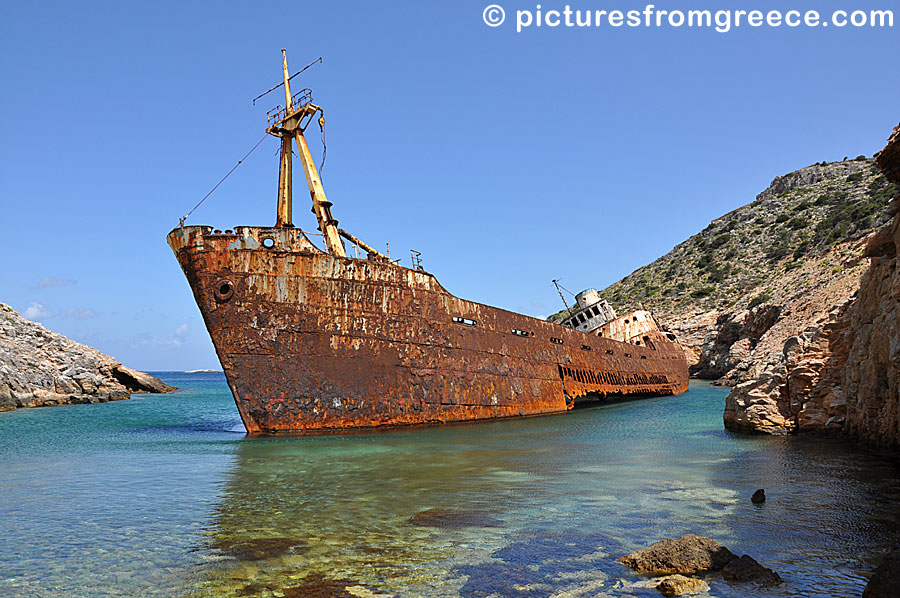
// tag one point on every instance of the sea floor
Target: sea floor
(166, 496)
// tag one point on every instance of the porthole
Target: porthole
(223, 290)
(268, 242)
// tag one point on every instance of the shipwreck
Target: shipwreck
(314, 339)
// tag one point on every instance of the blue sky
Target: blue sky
(506, 159)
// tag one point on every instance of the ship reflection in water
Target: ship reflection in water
(538, 507)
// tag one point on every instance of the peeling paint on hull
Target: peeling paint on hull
(310, 342)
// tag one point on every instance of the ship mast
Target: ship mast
(290, 124)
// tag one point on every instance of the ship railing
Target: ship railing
(356, 247)
(298, 100)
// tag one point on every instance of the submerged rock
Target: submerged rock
(678, 585)
(685, 555)
(258, 549)
(885, 582)
(747, 569)
(317, 586)
(758, 497)
(453, 518)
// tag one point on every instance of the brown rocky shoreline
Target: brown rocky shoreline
(40, 368)
(841, 374)
(793, 301)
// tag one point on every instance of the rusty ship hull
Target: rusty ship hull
(311, 341)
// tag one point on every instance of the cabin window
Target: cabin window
(581, 318)
(518, 332)
(643, 357)
(626, 320)
(609, 351)
(600, 333)
(558, 341)
(595, 311)
(268, 242)
(637, 342)
(466, 321)
(670, 336)
(585, 348)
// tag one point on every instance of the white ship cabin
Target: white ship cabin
(593, 312)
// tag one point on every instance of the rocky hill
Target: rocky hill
(736, 291)
(842, 374)
(39, 367)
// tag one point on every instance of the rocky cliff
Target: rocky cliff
(793, 301)
(842, 374)
(736, 291)
(39, 368)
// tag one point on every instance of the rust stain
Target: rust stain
(312, 341)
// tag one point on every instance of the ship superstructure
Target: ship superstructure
(590, 312)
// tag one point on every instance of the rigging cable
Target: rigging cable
(565, 289)
(185, 217)
(319, 59)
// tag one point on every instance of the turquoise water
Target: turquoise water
(165, 496)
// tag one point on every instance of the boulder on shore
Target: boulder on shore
(686, 555)
(39, 368)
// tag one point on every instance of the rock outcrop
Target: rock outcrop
(686, 555)
(39, 368)
(690, 555)
(842, 374)
(757, 276)
(801, 391)
(746, 569)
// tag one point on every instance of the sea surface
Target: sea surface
(166, 496)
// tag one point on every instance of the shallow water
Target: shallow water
(165, 496)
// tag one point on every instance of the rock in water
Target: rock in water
(453, 518)
(139, 381)
(685, 555)
(758, 497)
(678, 585)
(39, 367)
(885, 582)
(747, 569)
